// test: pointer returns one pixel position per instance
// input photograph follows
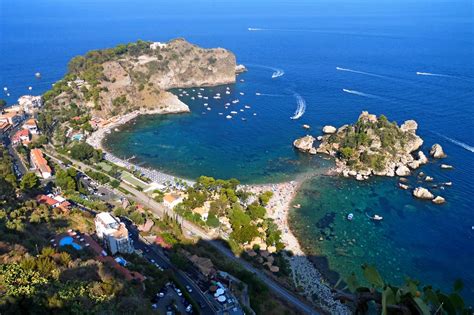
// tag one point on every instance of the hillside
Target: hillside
(137, 76)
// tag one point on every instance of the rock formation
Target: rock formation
(371, 146)
(422, 193)
(138, 76)
(329, 129)
(305, 144)
(438, 200)
(437, 151)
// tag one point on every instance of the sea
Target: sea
(321, 62)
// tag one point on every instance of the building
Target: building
(113, 233)
(4, 127)
(40, 164)
(10, 117)
(32, 126)
(29, 102)
(171, 200)
(54, 201)
(21, 136)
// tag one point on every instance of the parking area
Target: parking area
(170, 300)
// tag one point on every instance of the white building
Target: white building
(171, 200)
(29, 102)
(113, 233)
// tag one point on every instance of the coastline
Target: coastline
(96, 138)
(304, 273)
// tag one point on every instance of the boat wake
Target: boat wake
(362, 94)
(435, 74)
(301, 107)
(458, 143)
(271, 95)
(362, 72)
(278, 73)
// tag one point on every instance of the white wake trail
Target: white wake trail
(457, 142)
(435, 74)
(362, 94)
(363, 72)
(278, 73)
(301, 107)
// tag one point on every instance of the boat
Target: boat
(350, 216)
(228, 117)
(221, 113)
(257, 93)
(377, 218)
(38, 75)
(246, 106)
(208, 108)
(306, 126)
(244, 119)
(227, 92)
(297, 206)
(241, 110)
(233, 112)
(193, 98)
(255, 114)
(242, 80)
(227, 104)
(30, 88)
(5, 88)
(241, 93)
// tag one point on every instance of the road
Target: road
(160, 210)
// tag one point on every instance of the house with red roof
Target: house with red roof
(21, 136)
(39, 163)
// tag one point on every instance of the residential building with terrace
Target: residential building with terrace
(113, 233)
(39, 163)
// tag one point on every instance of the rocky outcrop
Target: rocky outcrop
(329, 129)
(240, 69)
(423, 193)
(402, 170)
(437, 151)
(372, 146)
(137, 75)
(438, 200)
(305, 144)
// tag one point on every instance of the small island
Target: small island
(371, 146)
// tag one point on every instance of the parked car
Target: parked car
(189, 289)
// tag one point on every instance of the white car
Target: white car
(189, 289)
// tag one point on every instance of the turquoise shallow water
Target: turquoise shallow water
(381, 44)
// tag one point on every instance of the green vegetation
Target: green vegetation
(369, 143)
(85, 152)
(411, 298)
(30, 182)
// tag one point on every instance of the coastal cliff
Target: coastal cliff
(371, 146)
(137, 76)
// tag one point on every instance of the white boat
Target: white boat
(205, 104)
(30, 88)
(227, 92)
(201, 89)
(350, 216)
(208, 108)
(255, 114)
(193, 98)
(228, 117)
(221, 113)
(241, 110)
(227, 104)
(38, 75)
(5, 88)
(242, 93)
(257, 93)
(246, 106)
(235, 101)
(244, 119)
(206, 98)
(377, 218)
(233, 112)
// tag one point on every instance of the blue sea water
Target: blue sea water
(378, 46)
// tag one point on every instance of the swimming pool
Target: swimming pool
(68, 240)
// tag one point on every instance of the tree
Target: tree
(265, 197)
(29, 182)
(256, 211)
(137, 218)
(346, 153)
(3, 103)
(7, 191)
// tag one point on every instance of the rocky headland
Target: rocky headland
(138, 76)
(371, 146)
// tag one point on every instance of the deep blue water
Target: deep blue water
(385, 43)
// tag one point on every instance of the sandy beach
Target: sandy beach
(304, 273)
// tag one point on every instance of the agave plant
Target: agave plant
(408, 299)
